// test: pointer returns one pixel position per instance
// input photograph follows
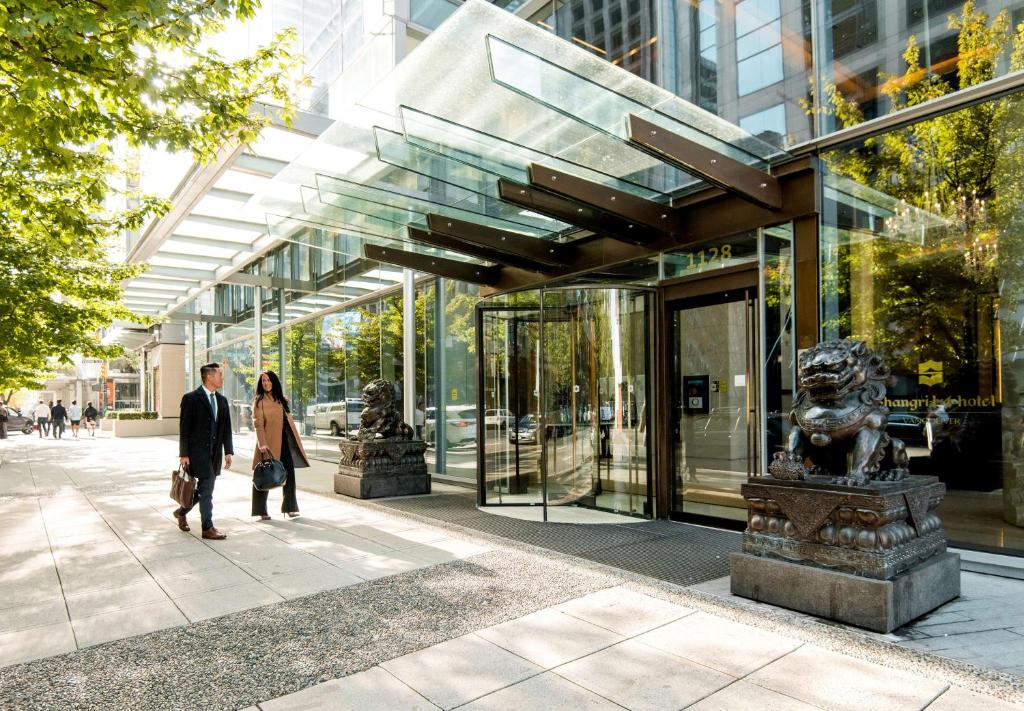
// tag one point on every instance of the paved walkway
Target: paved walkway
(106, 604)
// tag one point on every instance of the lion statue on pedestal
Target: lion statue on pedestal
(838, 418)
(380, 418)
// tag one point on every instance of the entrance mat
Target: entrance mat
(678, 553)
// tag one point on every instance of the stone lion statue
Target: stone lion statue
(380, 418)
(839, 417)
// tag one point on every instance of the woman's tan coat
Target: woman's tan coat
(268, 415)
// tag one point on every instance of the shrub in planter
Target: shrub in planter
(137, 416)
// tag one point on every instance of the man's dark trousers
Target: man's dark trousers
(204, 497)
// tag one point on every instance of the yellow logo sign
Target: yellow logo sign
(929, 373)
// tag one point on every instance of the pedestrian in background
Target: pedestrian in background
(58, 415)
(3, 419)
(75, 416)
(91, 415)
(277, 437)
(42, 415)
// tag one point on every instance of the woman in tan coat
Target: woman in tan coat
(276, 437)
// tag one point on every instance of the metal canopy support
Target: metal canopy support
(584, 216)
(631, 208)
(438, 266)
(449, 243)
(534, 253)
(718, 169)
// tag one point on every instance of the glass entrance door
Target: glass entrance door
(564, 399)
(716, 404)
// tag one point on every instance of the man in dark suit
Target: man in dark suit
(204, 432)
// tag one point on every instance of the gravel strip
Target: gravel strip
(247, 657)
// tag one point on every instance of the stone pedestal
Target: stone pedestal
(870, 556)
(384, 467)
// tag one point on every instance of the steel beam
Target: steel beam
(438, 266)
(627, 207)
(583, 216)
(718, 169)
(451, 244)
(533, 252)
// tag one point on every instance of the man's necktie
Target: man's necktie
(213, 406)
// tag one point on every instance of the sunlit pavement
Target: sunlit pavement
(350, 607)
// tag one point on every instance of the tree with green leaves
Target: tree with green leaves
(931, 284)
(83, 85)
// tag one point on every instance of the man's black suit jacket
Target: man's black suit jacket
(200, 438)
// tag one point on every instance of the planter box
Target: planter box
(143, 428)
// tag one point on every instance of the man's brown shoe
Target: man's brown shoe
(182, 523)
(214, 535)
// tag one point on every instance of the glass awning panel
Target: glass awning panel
(558, 87)
(497, 156)
(502, 77)
(407, 209)
(339, 243)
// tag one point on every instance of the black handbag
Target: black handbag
(269, 473)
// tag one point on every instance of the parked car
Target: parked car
(460, 425)
(16, 422)
(499, 418)
(338, 417)
(525, 431)
(907, 427)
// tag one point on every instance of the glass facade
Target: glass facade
(918, 249)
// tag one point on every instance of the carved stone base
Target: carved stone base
(877, 532)
(384, 467)
(879, 605)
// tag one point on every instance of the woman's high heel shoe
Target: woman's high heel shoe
(264, 518)
(292, 514)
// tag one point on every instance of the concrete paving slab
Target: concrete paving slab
(113, 599)
(643, 678)
(371, 567)
(843, 683)
(202, 581)
(727, 646)
(309, 581)
(472, 667)
(744, 696)
(371, 690)
(36, 614)
(291, 561)
(224, 601)
(956, 699)
(35, 643)
(547, 691)
(126, 623)
(624, 611)
(103, 577)
(550, 638)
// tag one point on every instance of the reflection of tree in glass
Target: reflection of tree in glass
(921, 293)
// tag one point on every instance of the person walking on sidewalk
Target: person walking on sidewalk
(42, 415)
(277, 437)
(91, 415)
(75, 416)
(57, 416)
(204, 434)
(3, 419)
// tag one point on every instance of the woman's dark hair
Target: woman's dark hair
(276, 391)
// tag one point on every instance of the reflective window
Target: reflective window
(921, 258)
(769, 125)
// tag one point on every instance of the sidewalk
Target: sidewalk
(107, 605)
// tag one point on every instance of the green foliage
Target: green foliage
(131, 415)
(83, 84)
(929, 289)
